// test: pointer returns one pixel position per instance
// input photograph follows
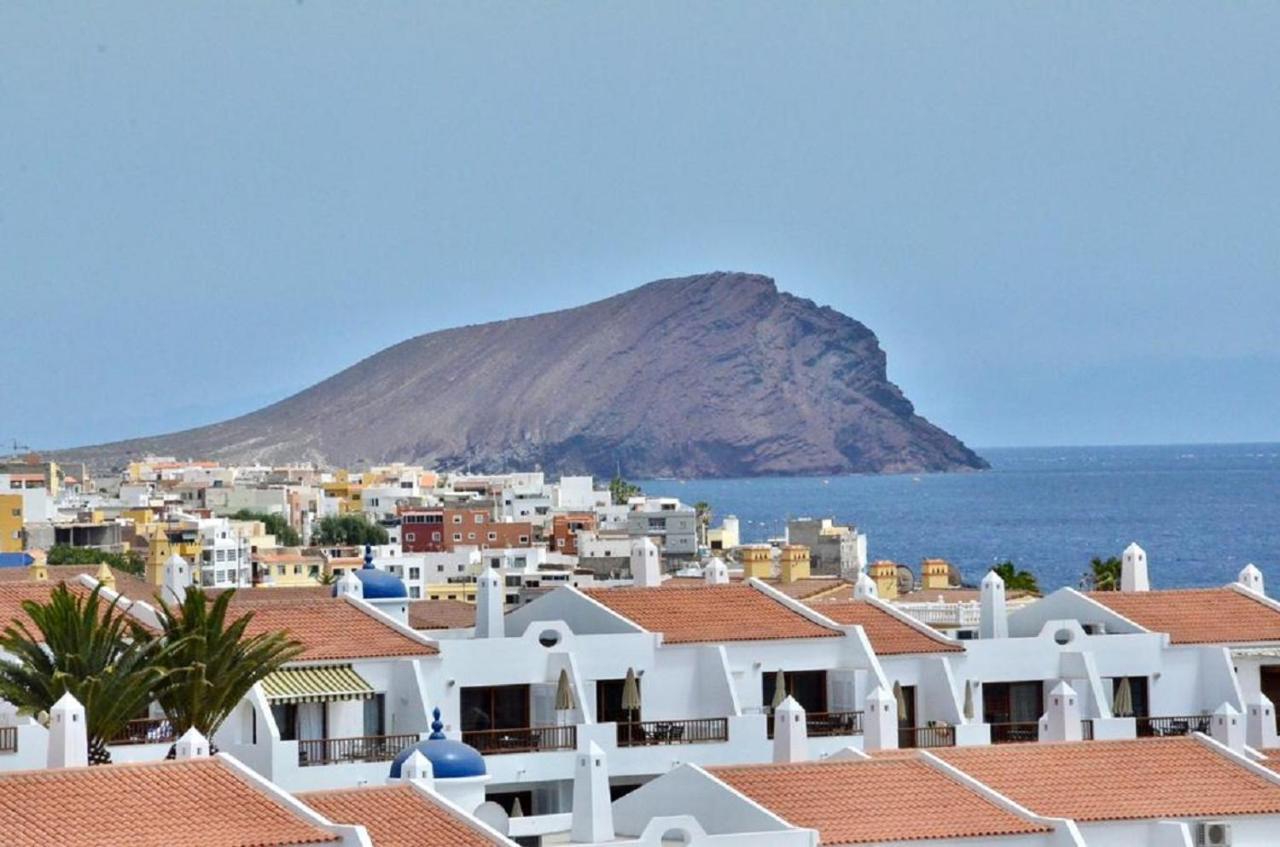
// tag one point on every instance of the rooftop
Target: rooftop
(1197, 615)
(441, 614)
(734, 612)
(860, 802)
(111, 805)
(397, 816)
(888, 634)
(332, 629)
(1119, 780)
(133, 587)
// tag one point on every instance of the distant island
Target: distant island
(713, 375)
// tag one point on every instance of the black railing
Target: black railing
(695, 731)
(366, 748)
(927, 736)
(532, 739)
(826, 724)
(146, 731)
(8, 739)
(1015, 732)
(1170, 726)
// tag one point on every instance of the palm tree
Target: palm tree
(703, 511)
(1017, 580)
(1104, 574)
(86, 648)
(213, 664)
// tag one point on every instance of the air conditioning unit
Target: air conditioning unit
(1212, 834)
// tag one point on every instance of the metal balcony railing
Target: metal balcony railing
(927, 736)
(695, 731)
(1015, 732)
(532, 739)
(365, 748)
(146, 731)
(1169, 726)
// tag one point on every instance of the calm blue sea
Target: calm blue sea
(1201, 512)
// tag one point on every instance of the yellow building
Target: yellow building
(165, 539)
(11, 521)
(464, 591)
(756, 560)
(793, 563)
(885, 574)
(935, 574)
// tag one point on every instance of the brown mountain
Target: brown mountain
(711, 375)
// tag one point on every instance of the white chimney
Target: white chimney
(349, 586)
(1251, 578)
(192, 745)
(790, 732)
(1227, 727)
(489, 602)
(715, 572)
(1260, 730)
(993, 621)
(592, 808)
(1061, 720)
(68, 735)
(880, 721)
(177, 578)
(1133, 569)
(864, 587)
(644, 563)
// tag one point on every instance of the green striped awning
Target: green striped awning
(313, 684)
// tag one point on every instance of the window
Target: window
(457, 518)
(471, 536)
(439, 568)
(457, 536)
(375, 715)
(415, 573)
(415, 592)
(479, 517)
(493, 536)
(408, 536)
(524, 539)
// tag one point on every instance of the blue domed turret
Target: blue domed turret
(377, 584)
(449, 759)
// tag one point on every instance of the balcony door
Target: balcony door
(1012, 702)
(1270, 681)
(495, 707)
(609, 702)
(809, 688)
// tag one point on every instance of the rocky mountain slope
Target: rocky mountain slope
(712, 375)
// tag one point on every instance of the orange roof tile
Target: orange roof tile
(709, 613)
(332, 629)
(1119, 780)
(888, 635)
(195, 803)
(397, 816)
(12, 596)
(1197, 615)
(133, 587)
(859, 802)
(441, 614)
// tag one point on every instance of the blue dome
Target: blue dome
(377, 584)
(449, 759)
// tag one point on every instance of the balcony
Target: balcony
(927, 736)
(829, 724)
(1164, 727)
(1015, 732)
(535, 739)
(8, 739)
(695, 731)
(146, 731)
(367, 748)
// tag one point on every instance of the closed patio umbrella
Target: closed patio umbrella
(517, 811)
(630, 692)
(779, 690)
(564, 692)
(968, 700)
(902, 704)
(1122, 704)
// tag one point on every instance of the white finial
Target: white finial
(489, 602)
(1133, 569)
(192, 745)
(880, 720)
(592, 809)
(993, 619)
(864, 587)
(177, 578)
(1061, 719)
(349, 585)
(68, 735)
(715, 572)
(645, 570)
(790, 732)
(1261, 724)
(417, 768)
(1227, 727)
(1251, 578)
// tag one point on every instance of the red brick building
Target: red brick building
(444, 529)
(565, 528)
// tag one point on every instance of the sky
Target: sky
(1062, 220)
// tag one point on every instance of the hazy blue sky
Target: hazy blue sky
(1063, 220)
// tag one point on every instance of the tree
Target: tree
(703, 510)
(65, 554)
(348, 530)
(1104, 574)
(86, 648)
(620, 491)
(213, 662)
(286, 536)
(1017, 580)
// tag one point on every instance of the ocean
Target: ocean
(1201, 512)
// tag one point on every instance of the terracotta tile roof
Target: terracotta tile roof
(1197, 615)
(888, 635)
(1119, 780)
(332, 629)
(859, 802)
(133, 587)
(441, 614)
(812, 587)
(1272, 760)
(397, 816)
(194, 803)
(734, 612)
(12, 596)
(284, 594)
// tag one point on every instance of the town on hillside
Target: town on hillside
(399, 655)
